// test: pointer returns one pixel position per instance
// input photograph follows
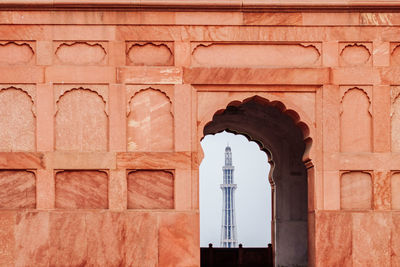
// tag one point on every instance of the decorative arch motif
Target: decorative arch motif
(367, 94)
(167, 95)
(13, 53)
(285, 138)
(81, 53)
(100, 94)
(28, 93)
(81, 122)
(355, 121)
(149, 54)
(150, 121)
(17, 120)
(355, 54)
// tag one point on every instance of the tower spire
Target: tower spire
(228, 225)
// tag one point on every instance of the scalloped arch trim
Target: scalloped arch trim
(292, 114)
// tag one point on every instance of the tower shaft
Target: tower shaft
(228, 225)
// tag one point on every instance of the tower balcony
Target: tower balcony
(228, 186)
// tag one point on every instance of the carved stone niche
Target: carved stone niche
(81, 117)
(17, 118)
(81, 189)
(355, 190)
(355, 54)
(150, 189)
(80, 53)
(17, 52)
(17, 189)
(150, 119)
(255, 55)
(150, 53)
(356, 119)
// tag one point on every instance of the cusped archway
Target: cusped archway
(285, 138)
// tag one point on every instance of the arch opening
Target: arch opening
(251, 196)
(281, 134)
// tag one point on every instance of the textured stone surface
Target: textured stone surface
(356, 190)
(395, 239)
(15, 53)
(7, 238)
(149, 75)
(381, 183)
(93, 92)
(149, 54)
(395, 189)
(141, 234)
(17, 121)
(355, 54)
(81, 53)
(31, 235)
(150, 122)
(176, 234)
(356, 122)
(81, 122)
(152, 160)
(17, 190)
(21, 160)
(395, 119)
(371, 232)
(81, 190)
(395, 55)
(255, 55)
(329, 237)
(105, 231)
(150, 190)
(68, 239)
(233, 75)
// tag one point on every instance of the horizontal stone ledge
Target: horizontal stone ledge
(256, 88)
(367, 161)
(267, 76)
(80, 74)
(80, 160)
(21, 160)
(105, 212)
(149, 75)
(321, 211)
(356, 75)
(154, 160)
(21, 74)
(207, 4)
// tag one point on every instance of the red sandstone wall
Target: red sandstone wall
(101, 114)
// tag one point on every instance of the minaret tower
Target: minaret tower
(228, 228)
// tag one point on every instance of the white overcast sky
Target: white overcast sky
(253, 193)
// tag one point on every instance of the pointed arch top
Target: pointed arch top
(268, 123)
